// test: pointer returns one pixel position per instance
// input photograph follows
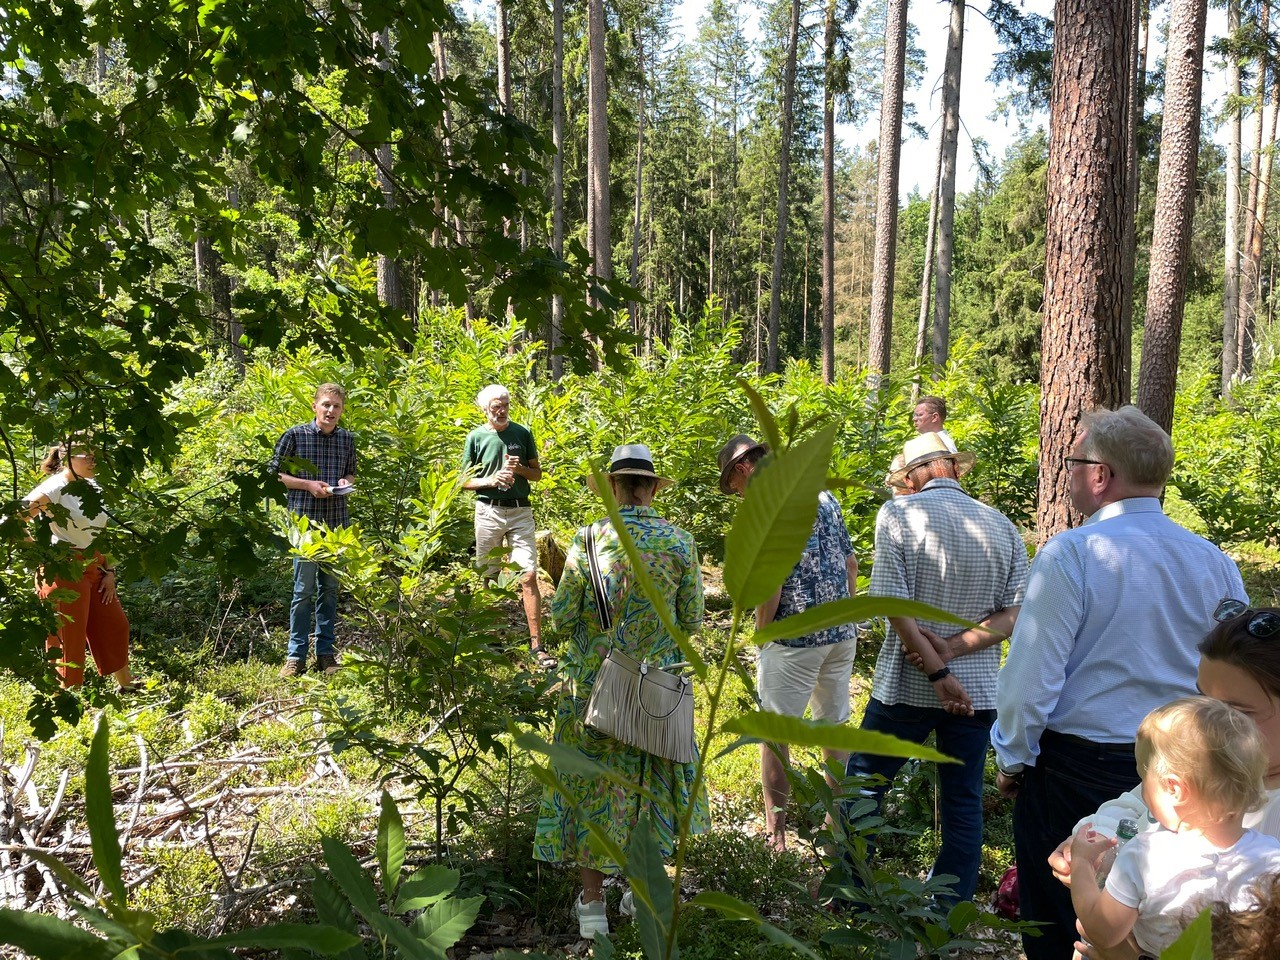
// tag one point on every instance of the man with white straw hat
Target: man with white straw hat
(814, 669)
(942, 547)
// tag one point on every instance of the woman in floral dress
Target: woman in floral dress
(671, 559)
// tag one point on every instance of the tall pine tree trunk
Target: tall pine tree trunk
(1134, 109)
(1248, 266)
(890, 148)
(784, 175)
(557, 178)
(1231, 271)
(947, 186)
(391, 289)
(639, 185)
(1249, 314)
(599, 243)
(828, 336)
(1175, 202)
(927, 274)
(1081, 353)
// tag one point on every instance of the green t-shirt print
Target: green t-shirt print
(489, 449)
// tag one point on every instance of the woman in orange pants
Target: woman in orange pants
(94, 618)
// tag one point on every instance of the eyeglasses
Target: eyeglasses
(1072, 461)
(1263, 625)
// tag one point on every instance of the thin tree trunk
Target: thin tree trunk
(635, 223)
(829, 197)
(1134, 109)
(1081, 355)
(557, 179)
(391, 291)
(784, 174)
(947, 187)
(1231, 272)
(599, 242)
(1248, 268)
(890, 148)
(927, 274)
(1175, 203)
(1248, 317)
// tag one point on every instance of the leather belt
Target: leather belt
(520, 502)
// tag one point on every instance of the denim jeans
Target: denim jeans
(960, 784)
(1070, 781)
(312, 605)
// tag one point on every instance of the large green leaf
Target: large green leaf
(570, 760)
(763, 416)
(439, 927)
(775, 728)
(849, 610)
(651, 888)
(1195, 943)
(334, 910)
(48, 938)
(353, 881)
(426, 886)
(390, 845)
(327, 941)
(773, 525)
(735, 909)
(101, 814)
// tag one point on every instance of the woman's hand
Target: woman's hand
(107, 585)
(1060, 862)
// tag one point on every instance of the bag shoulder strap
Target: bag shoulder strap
(597, 581)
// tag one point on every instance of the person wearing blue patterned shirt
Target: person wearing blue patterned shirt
(316, 462)
(1114, 611)
(942, 547)
(813, 670)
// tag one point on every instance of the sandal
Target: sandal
(545, 660)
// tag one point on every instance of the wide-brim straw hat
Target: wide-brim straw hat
(731, 453)
(631, 460)
(926, 448)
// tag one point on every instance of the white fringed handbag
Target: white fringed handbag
(634, 701)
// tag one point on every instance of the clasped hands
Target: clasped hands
(949, 690)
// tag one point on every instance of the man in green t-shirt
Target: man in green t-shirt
(499, 461)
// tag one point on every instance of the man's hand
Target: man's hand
(1008, 785)
(941, 647)
(1126, 949)
(320, 490)
(504, 478)
(1060, 862)
(953, 696)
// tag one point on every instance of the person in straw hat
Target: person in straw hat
(813, 670)
(942, 547)
(671, 560)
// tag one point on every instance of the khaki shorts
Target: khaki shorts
(789, 678)
(497, 527)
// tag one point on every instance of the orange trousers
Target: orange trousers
(88, 620)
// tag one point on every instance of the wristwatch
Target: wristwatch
(1014, 770)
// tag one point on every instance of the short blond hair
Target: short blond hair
(331, 390)
(1212, 746)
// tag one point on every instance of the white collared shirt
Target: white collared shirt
(78, 530)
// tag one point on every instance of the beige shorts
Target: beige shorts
(789, 678)
(498, 527)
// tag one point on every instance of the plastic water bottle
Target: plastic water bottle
(1126, 830)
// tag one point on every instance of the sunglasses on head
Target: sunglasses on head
(1263, 625)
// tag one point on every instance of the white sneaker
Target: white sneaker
(628, 905)
(591, 918)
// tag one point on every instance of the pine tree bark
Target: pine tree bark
(554, 335)
(784, 176)
(889, 150)
(1231, 271)
(947, 187)
(599, 243)
(1134, 108)
(1175, 203)
(828, 336)
(1081, 353)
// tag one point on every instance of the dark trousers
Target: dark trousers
(959, 784)
(1070, 781)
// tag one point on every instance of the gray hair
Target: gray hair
(1130, 443)
(494, 391)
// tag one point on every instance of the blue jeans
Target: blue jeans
(310, 604)
(1070, 781)
(960, 784)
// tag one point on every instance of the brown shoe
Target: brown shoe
(292, 668)
(327, 663)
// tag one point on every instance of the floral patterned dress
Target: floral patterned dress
(672, 561)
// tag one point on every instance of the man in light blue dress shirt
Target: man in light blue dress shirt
(1107, 632)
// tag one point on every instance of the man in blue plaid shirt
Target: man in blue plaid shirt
(316, 462)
